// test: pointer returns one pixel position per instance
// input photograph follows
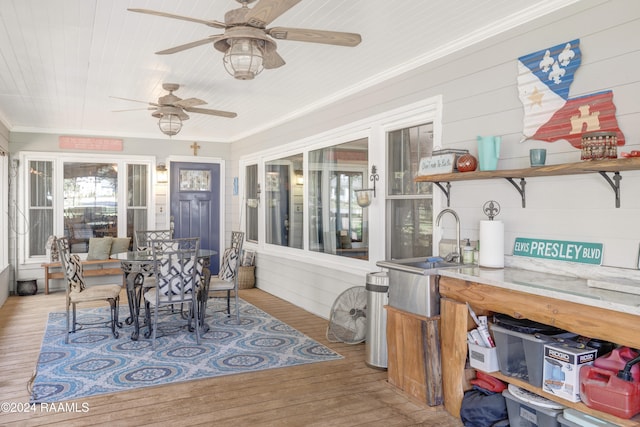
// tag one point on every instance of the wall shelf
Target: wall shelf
(602, 167)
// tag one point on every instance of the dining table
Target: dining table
(136, 266)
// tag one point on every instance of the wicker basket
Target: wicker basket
(246, 277)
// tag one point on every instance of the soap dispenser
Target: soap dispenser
(467, 253)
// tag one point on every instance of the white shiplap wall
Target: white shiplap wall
(479, 91)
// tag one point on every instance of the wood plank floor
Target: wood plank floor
(337, 393)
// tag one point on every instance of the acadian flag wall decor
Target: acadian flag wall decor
(544, 78)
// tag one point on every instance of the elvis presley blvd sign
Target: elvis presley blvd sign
(581, 252)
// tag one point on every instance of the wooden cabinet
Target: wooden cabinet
(586, 320)
(413, 351)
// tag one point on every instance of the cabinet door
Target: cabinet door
(413, 348)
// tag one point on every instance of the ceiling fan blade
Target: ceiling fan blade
(186, 46)
(135, 100)
(134, 109)
(214, 24)
(190, 102)
(265, 11)
(271, 58)
(211, 112)
(315, 36)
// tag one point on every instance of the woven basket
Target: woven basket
(246, 277)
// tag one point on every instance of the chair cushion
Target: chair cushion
(228, 264)
(217, 284)
(99, 248)
(96, 293)
(120, 244)
(75, 274)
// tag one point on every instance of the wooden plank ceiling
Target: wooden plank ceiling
(61, 60)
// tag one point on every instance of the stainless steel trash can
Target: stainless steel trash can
(377, 287)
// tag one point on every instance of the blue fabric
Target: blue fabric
(482, 408)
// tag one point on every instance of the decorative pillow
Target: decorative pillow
(199, 273)
(75, 274)
(51, 249)
(170, 270)
(99, 248)
(228, 264)
(120, 244)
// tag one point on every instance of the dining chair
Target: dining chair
(142, 242)
(143, 238)
(227, 278)
(78, 292)
(177, 271)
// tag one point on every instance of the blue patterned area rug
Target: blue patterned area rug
(96, 363)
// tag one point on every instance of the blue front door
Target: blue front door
(195, 204)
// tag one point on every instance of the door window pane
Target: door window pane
(90, 202)
(40, 205)
(251, 194)
(337, 224)
(284, 201)
(409, 204)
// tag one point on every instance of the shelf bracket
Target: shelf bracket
(447, 191)
(520, 189)
(614, 183)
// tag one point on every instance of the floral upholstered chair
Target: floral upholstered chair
(78, 292)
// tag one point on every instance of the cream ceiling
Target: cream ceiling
(61, 60)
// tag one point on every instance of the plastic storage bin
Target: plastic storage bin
(521, 355)
(483, 358)
(573, 418)
(524, 414)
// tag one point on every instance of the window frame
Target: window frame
(57, 160)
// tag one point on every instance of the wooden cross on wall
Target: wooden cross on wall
(195, 147)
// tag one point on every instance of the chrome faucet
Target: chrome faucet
(453, 255)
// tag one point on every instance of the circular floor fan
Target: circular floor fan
(348, 318)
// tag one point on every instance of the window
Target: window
(78, 197)
(251, 191)
(5, 172)
(409, 204)
(40, 205)
(307, 200)
(337, 224)
(137, 198)
(284, 208)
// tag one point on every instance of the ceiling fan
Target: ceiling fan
(248, 46)
(170, 110)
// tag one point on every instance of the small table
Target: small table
(137, 265)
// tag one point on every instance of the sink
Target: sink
(413, 283)
(421, 265)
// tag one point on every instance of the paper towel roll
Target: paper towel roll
(491, 244)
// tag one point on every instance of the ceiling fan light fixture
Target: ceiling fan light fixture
(244, 58)
(170, 124)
